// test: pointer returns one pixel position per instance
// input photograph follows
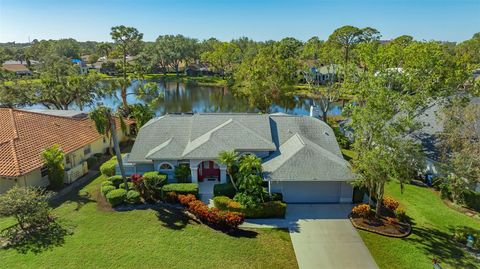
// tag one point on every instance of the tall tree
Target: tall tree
(223, 57)
(127, 41)
(172, 50)
(229, 159)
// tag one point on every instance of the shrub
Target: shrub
(171, 197)
(182, 188)
(390, 203)
(116, 197)
(130, 186)
(182, 174)
(460, 235)
(133, 197)
(224, 189)
(401, 215)
(154, 182)
(53, 158)
(107, 182)
(108, 167)
(276, 196)
(106, 189)
(362, 210)
(271, 209)
(116, 180)
(390, 220)
(246, 200)
(186, 199)
(358, 194)
(223, 220)
(472, 200)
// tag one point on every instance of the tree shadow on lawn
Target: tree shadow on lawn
(45, 238)
(173, 218)
(440, 245)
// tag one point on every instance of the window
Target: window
(165, 166)
(67, 159)
(87, 150)
(44, 171)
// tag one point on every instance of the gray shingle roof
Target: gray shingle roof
(302, 148)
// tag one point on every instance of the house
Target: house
(82, 66)
(18, 67)
(325, 73)
(432, 122)
(25, 134)
(301, 157)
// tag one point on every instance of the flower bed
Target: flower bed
(271, 209)
(219, 219)
(362, 217)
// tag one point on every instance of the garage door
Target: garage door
(309, 192)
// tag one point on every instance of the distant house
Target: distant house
(18, 67)
(25, 134)
(325, 73)
(198, 69)
(300, 155)
(83, 68)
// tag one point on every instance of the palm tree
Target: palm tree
(229, 159)
(250, 164)
(106, 125)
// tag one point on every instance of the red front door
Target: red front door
(207, 170)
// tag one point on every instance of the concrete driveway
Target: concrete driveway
(322, 236)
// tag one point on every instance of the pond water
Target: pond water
(185, 97)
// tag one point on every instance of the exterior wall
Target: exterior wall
(169, 172)
(33, 178)
(346, 193)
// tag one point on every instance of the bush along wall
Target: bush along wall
(270, 209)
(108, 167)
(182, 188)
(224, 189)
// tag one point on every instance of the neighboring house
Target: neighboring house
(17, 67)
(432, 123)
(301, 157)
(25, 134)
(82, 66)
(198, 69)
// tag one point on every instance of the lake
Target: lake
(186, 97)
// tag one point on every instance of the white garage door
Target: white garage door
(309, 192)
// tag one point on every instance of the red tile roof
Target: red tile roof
(24, 135)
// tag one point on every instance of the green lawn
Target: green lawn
(431, 236)
(103, 238)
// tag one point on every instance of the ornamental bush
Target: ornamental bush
(130, 186)
(106, 189)
(182, 174)
(116, 180)
(401, 215)
(171, 197)
(472, 200)
(116, 197)
(106, 182)
(133, 197)
(186, 199)
(153, 182)
(362, 210)
(108, 167)
(390, 203)
(182, 188)
(223, 220)
(224, 189)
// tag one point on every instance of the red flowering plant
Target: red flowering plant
(137, 181)
(186, 199)
(223, 220)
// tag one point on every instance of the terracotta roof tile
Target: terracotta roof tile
(24, 135)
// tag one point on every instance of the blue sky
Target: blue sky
(453, 20)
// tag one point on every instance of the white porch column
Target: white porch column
(223, 174)
(194, 172)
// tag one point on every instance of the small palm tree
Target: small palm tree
(229, 159)
(106, 125)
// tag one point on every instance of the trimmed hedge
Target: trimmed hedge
(107, 182)
(224, 189)
(472, 200)
(182, 188)
(133, 197)
(116, 180)
(106, 189)
(271, 209)
(108, 167)
(116, 197)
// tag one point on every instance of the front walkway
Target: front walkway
(205, 190)
(322, 236)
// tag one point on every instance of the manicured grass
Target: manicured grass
(103, 238)
(431, 235)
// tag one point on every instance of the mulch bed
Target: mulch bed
(382, 226)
